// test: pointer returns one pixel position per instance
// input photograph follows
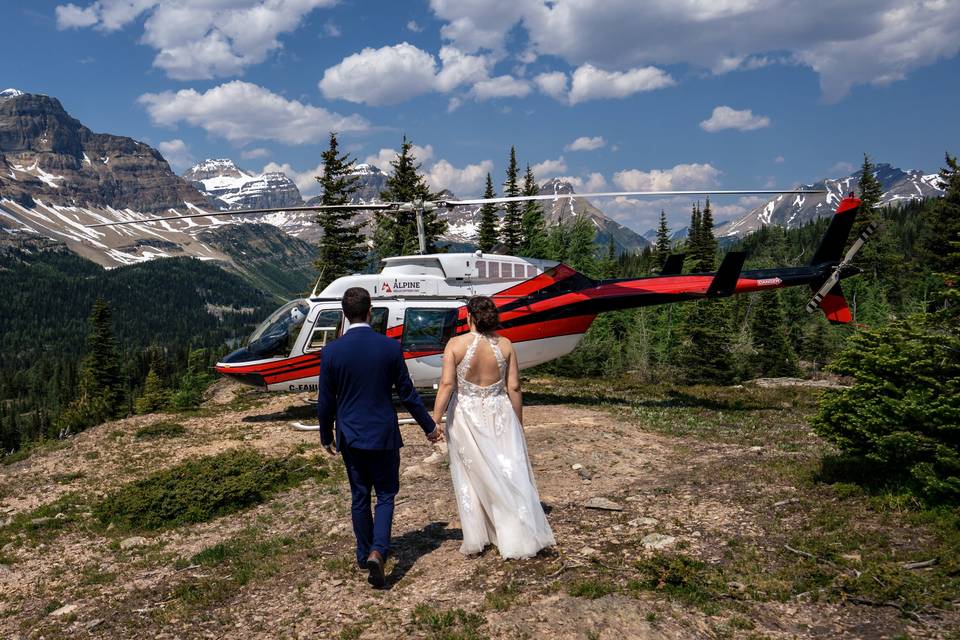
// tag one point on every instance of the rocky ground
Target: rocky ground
(678, 514)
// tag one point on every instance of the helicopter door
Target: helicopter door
(325, 328)
(426, 330)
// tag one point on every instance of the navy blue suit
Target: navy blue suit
(358, 372)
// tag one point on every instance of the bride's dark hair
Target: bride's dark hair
(485, 316)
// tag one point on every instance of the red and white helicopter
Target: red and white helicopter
(545, 306)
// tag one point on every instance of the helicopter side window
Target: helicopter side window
(481, 268)
(325, 329)
(428, 329)
(378, 320)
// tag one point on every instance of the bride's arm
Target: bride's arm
(513, 385)
(448, 378)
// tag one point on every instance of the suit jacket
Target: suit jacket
(357, 373)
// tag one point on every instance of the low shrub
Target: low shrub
(204, 488)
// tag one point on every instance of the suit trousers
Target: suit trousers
(372, 470)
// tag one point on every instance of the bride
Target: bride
(496, 494)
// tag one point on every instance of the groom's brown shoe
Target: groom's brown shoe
(375, 567)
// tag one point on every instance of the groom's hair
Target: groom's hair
(356, 304)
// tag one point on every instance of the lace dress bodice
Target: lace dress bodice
(465, 388)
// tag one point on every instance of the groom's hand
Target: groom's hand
(436, 435)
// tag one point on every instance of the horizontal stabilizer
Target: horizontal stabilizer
(724, 283)
(834, 306)
(673, 265)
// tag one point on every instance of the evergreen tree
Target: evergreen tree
(662, 247)
(194, 382)
(342, 250)
(488, 220)
(870, 193)
(396, 230)
(534, 226)
(608, 266)
(155, 395)
(706, 245)
(876, 257)
(99, 397)
(512, 226)
(581, 251)
(941, 239)
(705, 356)
(774, 355)
(693, 238)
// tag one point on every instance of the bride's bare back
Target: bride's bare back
(484, 368)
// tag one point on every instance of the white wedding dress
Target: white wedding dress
(496, 495)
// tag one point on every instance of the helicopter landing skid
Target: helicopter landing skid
(299, 426)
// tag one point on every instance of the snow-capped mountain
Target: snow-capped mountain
(795, 210)
(230, 187)
(46, 154)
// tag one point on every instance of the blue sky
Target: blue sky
(662, 94)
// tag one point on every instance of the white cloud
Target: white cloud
(413, 26)
(331, 30)
(554, 84)
(585, 143)
(591, 83)
(681, 177)
(384, 157)
(843, 168)
(392, 74)
(779, 160)
(595, 182)
(70, 16)
(242, 112)
(198, 40)
(177, 154)
(725, 117)
(500, 87)
(467, 181)
(847, 44)
(259, 152)
(549, 168)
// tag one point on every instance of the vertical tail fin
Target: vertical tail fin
(831, 247)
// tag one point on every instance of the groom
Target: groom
(357, 373)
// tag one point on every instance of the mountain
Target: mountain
(57, 177)
(795, 210)
(371, 181)
(45, 154)
(229, 187)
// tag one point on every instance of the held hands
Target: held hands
(331, 450)
(436, 435)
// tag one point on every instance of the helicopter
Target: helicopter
(545, 306)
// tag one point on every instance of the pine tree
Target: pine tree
(706, 247)
(608, 266)
(488, 220)
(396, 231)
(774, 355)
(342, 250)
(705, 356)
(693, 237)
(99, 396)
(662, 247)
(870, 193)
(155, 394)
(512, 226)
(534, 226)
(941, 241)
(581, 251)
(194, 381)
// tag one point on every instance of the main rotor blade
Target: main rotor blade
(243, 212)
(615, 194)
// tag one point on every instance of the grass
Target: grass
(247, 556)
(591, 588)
(503, 597)
(204, 488)
(162, 429)
(46, 522)
(39, 447)
(448, 624)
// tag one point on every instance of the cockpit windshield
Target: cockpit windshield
(276, 334)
